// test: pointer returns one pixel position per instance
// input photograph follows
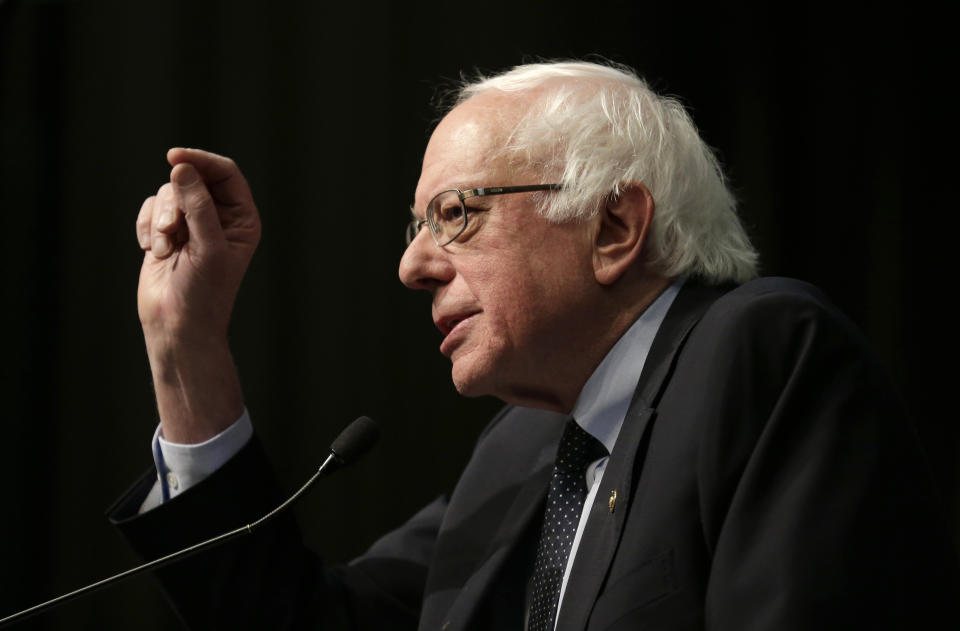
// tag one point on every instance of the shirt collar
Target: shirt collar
(603, 402)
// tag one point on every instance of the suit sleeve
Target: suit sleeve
(819, 510)
(269, 580)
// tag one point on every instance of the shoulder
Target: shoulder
(776, 352)
(777, 317)
(781, 298)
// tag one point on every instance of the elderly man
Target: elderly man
(684, 446)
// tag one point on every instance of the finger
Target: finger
(221, 175)
(167, 214)
(198, 207)
(160, 246)
(166, 219)
(144, 219)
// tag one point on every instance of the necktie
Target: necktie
(565, 498)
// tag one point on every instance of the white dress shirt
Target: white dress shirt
(599, 410)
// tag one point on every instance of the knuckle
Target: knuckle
(199, 200)
(165, 214)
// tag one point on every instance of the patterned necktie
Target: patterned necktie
(568, 490)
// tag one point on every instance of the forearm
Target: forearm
(197, 388)
(198, 234)
(247, 583)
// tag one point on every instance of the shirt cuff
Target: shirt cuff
(181, 466)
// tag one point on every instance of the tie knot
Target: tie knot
(578, 449)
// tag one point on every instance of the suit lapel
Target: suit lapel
(604, 526)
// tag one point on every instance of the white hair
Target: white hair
(597, 127)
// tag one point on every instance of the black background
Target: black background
(832, 122)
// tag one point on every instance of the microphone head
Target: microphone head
(355, 440)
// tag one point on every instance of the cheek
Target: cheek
(521, 289)
(509, 297)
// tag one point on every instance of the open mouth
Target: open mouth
(447, 324)
(454, 331)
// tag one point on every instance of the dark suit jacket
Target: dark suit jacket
(765, 478)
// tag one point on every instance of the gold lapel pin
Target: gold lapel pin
(613, 500)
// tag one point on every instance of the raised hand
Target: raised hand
(198, 233)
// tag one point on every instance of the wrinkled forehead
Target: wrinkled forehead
(466, 149)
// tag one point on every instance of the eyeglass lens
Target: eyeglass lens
(446, 216)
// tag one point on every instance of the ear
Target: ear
(623, 223)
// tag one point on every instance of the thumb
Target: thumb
(198, 207)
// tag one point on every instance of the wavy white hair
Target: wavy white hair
(596, 127)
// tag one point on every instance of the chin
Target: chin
(469, 387)
(471, 379)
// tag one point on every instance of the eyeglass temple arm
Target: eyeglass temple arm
(500, 190)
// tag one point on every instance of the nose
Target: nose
(424, 265)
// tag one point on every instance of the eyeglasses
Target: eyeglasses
(447, 215)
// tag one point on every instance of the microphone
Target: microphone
(355, 440)
(352, 443)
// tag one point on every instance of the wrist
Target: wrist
(197, 388)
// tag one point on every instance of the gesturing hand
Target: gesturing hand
(198, 232)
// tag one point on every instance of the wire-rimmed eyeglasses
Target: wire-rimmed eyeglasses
(447, 214)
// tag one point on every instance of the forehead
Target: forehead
(464, 150)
